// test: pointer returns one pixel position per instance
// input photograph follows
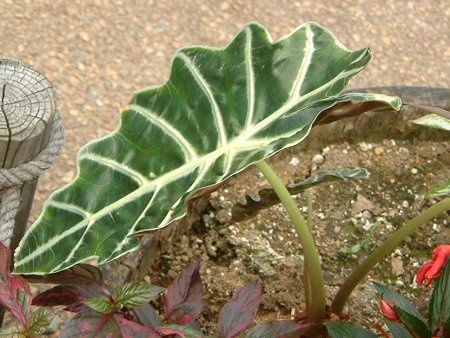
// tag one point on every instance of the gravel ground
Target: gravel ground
(96, 53)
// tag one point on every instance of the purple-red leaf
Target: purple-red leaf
(70, 296)
(179, 331)
(147, 316)
(132, 329)
(239, 313)
(280, 329)
(94, 324)
(186, 313)
(15, 294)
(183, 303)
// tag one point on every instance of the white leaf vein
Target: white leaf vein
(218, 119)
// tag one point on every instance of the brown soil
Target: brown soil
(346, 213)
(96, 53)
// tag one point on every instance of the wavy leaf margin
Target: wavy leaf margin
(221, 111)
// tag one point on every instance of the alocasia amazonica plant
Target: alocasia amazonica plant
(221, 111)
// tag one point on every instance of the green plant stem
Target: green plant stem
(383, 250)
(306, 280)
(309, 215)
(312, 261)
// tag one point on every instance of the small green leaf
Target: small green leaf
(39, 322)
(137, 293)
(433, 121)
(439, 307)
(415, 324)
(443, 189)
(100, 304)
(347, 330)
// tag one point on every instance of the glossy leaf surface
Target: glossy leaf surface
(221, 111)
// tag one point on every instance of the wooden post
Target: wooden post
(27, 107)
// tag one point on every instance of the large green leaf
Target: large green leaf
(221, 111)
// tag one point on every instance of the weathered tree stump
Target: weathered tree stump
(27, 109)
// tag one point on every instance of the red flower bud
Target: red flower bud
(431, 270)
(388, 310)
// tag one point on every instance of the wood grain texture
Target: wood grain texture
(27, 107)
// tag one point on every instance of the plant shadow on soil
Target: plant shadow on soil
(346, 213)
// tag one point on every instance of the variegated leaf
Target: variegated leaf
(221, 111)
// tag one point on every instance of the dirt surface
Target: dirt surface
(97, 53)
(360, 212)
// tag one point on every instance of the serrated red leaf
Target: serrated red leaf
(130, 329)
(147, 316)
(15, 294)
(94, 324)
(183, 303)
(70, 296)
(238, 314)
(174, 330)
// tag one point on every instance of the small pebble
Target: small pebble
(365, 146)
(414, 171)
(318, 159)
(379, 151)
(399, 283)
(294, 161)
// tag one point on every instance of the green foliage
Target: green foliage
(136, 293)
(221, 111)
(433, 121)
(439, 306)
(347, 330)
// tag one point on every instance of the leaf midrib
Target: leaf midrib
(230, 147)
